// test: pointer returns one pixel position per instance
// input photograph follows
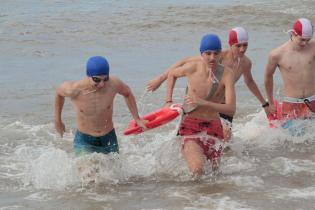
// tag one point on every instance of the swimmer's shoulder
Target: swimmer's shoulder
(71, 88)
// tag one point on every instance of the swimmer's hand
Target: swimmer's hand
(271, 109)
(60, 127)
(267, 110)
(141, 123)
(194, 101)
(168, 104)
(154, 84)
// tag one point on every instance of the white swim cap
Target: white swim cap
(303, 27)
(238, 35)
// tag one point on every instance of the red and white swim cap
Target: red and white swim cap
(238, 35)
(303, 27)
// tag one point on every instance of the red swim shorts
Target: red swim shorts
(211, 143)
(297, 110)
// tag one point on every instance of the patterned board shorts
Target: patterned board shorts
(212, 142)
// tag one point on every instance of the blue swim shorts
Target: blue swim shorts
(84, 143)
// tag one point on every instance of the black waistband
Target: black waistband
(226, 117)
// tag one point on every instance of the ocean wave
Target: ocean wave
(88, 26)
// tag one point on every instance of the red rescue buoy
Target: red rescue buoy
(155, 119)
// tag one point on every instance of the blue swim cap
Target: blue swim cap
(210, 42)
(96, 66)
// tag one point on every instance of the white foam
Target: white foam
(43, 161)
(249, 182)
(286, 166)
(308, 192)
(52, 169)
(154, 154)
(38, 196)
(178, 194)
(103, 198)
(285, 193)
(256, 131)
(234, 165)
(12, 207)
(218, 202)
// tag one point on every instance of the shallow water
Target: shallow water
(46, 42)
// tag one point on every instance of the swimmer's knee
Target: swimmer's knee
(196, 168)
(227, 133)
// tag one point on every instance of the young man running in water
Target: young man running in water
(234, 58)
(92, 98)
(200, 129)
(296, 62)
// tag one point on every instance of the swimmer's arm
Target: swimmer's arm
(251, 84)
(173, 75)
(64, 90)
(68, 89)
(155, 83)
(124, 90)
(269, 72)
